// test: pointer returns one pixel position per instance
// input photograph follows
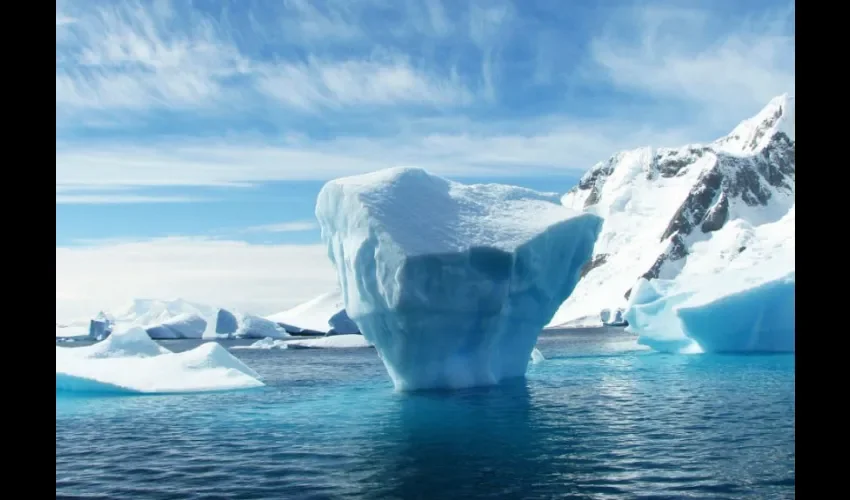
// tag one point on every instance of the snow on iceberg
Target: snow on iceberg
(451, 283)
(128, 361)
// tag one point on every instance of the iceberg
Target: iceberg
(537, 356)
(347, 341)
(128, 361)
(255, 327)
(183, 326)
(726, 314)
(451, 283)
(322, 314)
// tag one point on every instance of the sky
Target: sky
(192, 137)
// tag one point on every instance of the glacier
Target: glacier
(451, 283)
(130, 362)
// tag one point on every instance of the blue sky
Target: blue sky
(208, 127)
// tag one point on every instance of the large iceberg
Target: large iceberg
(128, 361)
(451, 283)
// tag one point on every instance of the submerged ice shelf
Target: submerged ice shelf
(451, 283)
(128, 361)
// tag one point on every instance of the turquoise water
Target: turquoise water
(598, 419)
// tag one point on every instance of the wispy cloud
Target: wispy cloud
(111, 199)
(255, 278)
(166, 94)
(127, 57)
(374, 82)
(568, 148)
(721, 67)
(283, 227)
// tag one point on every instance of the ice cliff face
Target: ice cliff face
(661, 206)
(451, 283)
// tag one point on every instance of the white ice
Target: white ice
(128, 361)
(181, 319)
(747, 304)
(342, 341)
(347, 341)
(451, 283)
(637, 207)
(320, 314)
(537, 356)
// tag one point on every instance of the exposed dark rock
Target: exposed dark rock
(750, 179)
(595, 178)
(676, 250)
(717, 216)
(764, 127)
(593, 263)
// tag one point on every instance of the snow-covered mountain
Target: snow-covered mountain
(675, 212)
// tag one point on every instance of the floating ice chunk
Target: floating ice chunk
(537, 356)
(266, 343)
(183, 326)
(347, 341)
(756, 318)
(451, 283)
(124, 342)
(128, 361)
(252, 327)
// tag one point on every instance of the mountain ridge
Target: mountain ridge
(659, 203)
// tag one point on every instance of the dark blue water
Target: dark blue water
(597, 419)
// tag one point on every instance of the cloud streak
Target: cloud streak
(283, 227)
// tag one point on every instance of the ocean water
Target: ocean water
(600, 418)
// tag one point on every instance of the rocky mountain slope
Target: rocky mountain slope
(674, 212)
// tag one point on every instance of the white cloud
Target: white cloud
(569, 148)
(682, 55)
(126, 57)
(333, 84)
(283, 227)
(112, 199)
(261, 279)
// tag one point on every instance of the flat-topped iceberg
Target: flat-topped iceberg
(451, 283)
(128, 361)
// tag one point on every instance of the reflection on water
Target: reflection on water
(600, 418)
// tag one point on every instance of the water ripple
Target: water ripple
(598, 419)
